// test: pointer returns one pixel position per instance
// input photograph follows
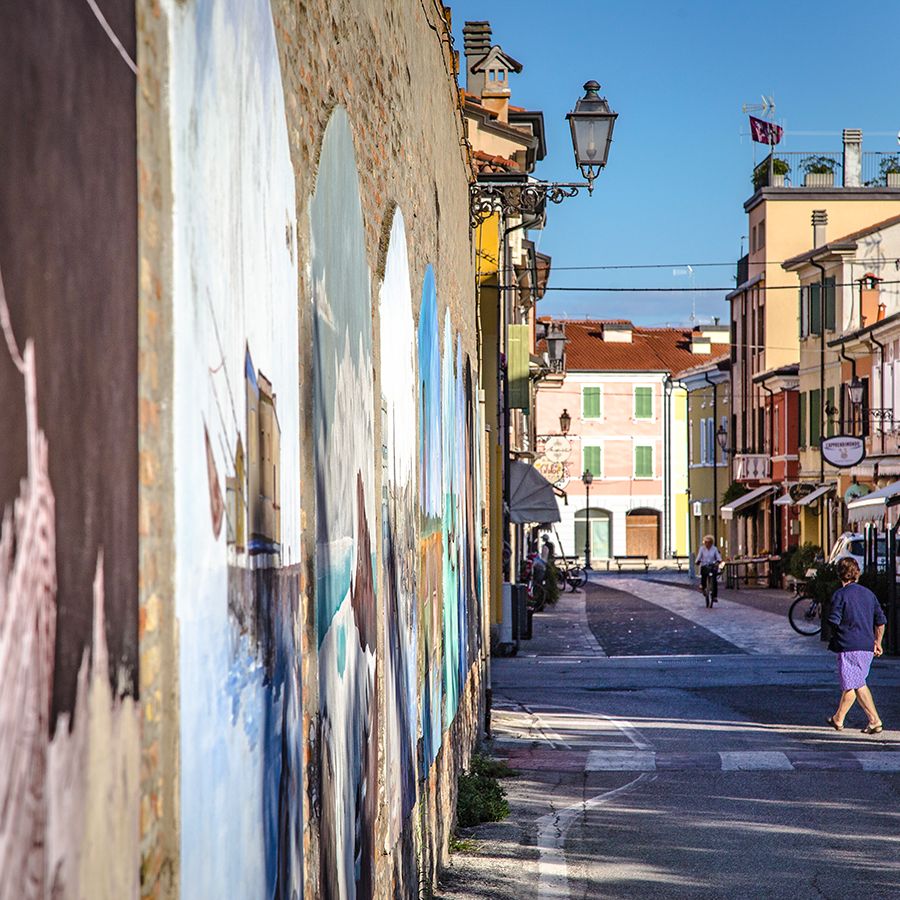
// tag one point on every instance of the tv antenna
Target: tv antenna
(766, 107)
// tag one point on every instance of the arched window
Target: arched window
(601, 533)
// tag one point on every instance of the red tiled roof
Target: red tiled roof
(650, 349)
(488, 163)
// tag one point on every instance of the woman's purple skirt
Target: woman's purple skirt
(853, 668)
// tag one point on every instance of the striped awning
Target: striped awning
(872, 507)
(812, 496)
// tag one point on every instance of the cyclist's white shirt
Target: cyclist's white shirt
(708, 557)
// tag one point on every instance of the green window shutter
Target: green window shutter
(830, 403)
(517, 367)
(643, 403)
(815, 417)
(804, 314)
(802, 441)
(593, 460)
(815, 309)
(643, 462)
(590, 403)
(829, 304)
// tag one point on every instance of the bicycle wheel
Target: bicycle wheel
(577, 577)
(707, 593)
(805, 616)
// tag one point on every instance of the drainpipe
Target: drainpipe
(823, 501)
(880, 347)
(690, 531)
(667, 465)
(715, 459)
(776, 532)
(852, 361)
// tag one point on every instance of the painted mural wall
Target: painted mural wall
(237, 446)
(69, 719)
(344, 454)
(399, 549)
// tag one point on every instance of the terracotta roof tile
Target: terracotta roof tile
(650, 349)
(488, 163)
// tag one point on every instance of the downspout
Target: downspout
(880, 347)
(776, 531)
(852, 361)
(667, 470)
(687, 448)
(715, 387)
(822, 304)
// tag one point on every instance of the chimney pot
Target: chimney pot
(852, 157)
(819, 224)
(476, 43)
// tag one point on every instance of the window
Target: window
(761, 234)
(643, 462)
(829, 402)
(815, 309)
(643, 403)
(592, 459)
(804, 312)
(815, 417)
(590, 403)
(802, 441)
(722, 450)
(829, 304)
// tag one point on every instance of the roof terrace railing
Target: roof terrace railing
(801, 168)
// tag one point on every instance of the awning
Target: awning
(784, 500)
(531, 497)
(754, 496)
(812, 496)
(872, 507)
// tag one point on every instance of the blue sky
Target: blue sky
(679, 169)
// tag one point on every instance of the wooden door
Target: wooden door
(642, 534)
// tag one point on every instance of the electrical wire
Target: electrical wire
(680, 290)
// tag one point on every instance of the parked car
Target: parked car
(853, 545)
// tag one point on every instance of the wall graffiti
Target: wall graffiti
(345, 516)
(237, 442)
(431, 514)
(398, 528)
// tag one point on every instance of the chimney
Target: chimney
(616, 332)
(852, 157)
(477, 42)
(819, 223)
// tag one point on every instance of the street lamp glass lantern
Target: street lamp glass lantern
(722, 437)
(565, 420)
(592, 123)
(856, 389)
(587, 477)
(556, 344)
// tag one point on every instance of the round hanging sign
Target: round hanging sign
(843, 450)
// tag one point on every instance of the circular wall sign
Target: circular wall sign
(557, 449)
(843, 450)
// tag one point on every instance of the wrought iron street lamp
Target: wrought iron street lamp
(591, 123)
(855, 389)
(565, 421)
(556, 346)
(587, 478)
(722, 438)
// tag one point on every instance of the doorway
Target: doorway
(600, 533)
(642, 533)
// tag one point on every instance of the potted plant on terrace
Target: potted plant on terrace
(889, 170)
(818, 171)
(780, 168)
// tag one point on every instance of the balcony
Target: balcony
(792, 169)
(751, 467)
(743, 269)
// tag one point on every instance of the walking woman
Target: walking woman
(857, 622)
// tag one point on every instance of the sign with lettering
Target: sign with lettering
(843, 450)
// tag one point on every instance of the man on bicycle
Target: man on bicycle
(708, 558)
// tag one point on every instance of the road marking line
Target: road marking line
(878, 761)
(754, 761)
(620, 761)
(553, 871)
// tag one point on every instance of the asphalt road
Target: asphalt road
(666, 750)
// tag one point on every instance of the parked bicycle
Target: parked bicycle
(805, 613)
(573, 576)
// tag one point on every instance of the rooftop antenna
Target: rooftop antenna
(767, 108)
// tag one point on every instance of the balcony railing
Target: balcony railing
(751, 466)
(881, 169)
(743, 269)
(792, 170)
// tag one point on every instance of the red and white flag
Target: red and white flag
(765, 132)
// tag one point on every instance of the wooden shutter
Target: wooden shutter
(593, 460)
(590, 403)
(519, 384)
(643, 462)
(815, 417)
(643, 403)
(829, 304)
(815, 309)
(831, 419)
(802, 441)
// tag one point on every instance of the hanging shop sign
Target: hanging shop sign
(855, 491)
(843, 450)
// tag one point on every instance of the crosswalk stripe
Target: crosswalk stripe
(875, 761)
(620, 761)
(754, 760)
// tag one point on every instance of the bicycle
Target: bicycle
(805, 613)
(710, 594)
(574, 576)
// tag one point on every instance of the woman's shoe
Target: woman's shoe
(836, 727)
(873, 729)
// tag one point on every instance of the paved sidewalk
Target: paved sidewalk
(562, 630)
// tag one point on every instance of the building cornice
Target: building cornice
(802, 193)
